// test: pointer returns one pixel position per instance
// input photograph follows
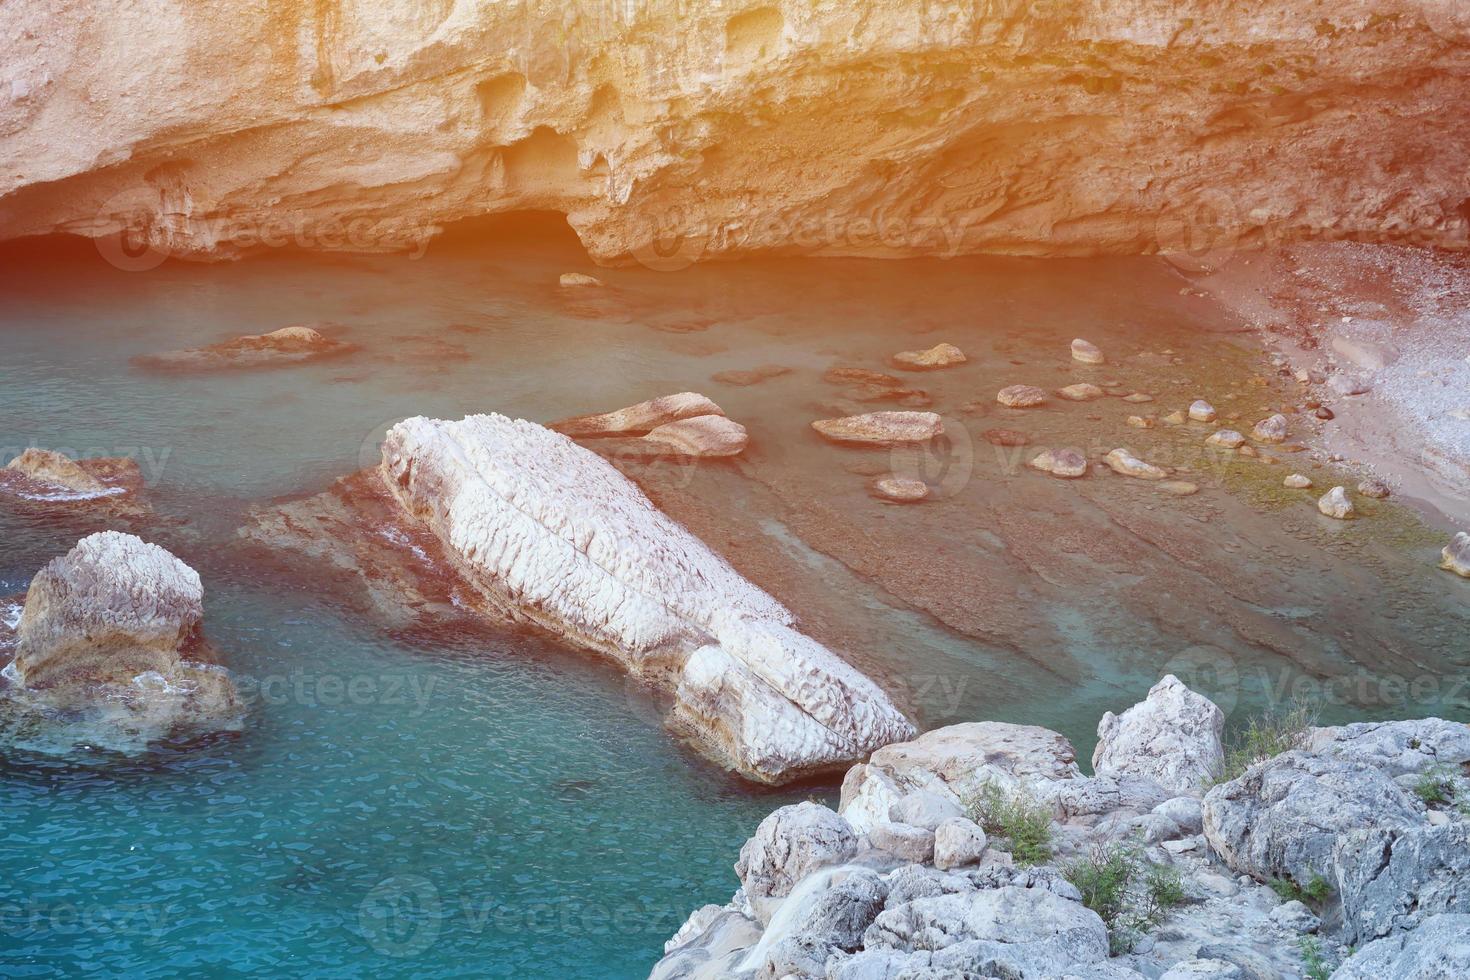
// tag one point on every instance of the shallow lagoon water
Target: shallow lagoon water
(510, 809)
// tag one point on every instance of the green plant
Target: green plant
(1314, 962)
(1435, 786)
(1015, 820)
(1129, 893)
(1267, 736)
(1316, 891)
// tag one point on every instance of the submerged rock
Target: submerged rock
(1086, 352)
(881, 428)
(1376, 489)
(1180, 488)
(1296, 482)
(1226, 438)
(639, 419)
(750, 376)
(1006, 437)
(899, 489)
(1081, 392)
(279, 348)
(1065, 463)
(545, 531)
(45, 477)
(1171, 737)
(578, 280)
(861, 376)
(938, 356)
(1335, 504)
(112, 631)
(1021, 396)
(1456, 555)
(1123, 462)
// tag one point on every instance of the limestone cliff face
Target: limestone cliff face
(674, 130)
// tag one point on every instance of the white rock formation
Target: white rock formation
(881, 428)
(1171, 737)
(548, 532)
(673, 132)
(1335, 503)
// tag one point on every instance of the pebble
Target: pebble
(1180, 488)
(1376, 489)
(1065, 463)
(1270, 430)
(901, 489)
(1141, 421)
(1123, 462)
(1138, 398)
(1081, 392)
(1228, 438)
(1296, 482)
(1202, 411)
(1335, 504)
(1021, 396)
(1456, 555)
(1086, 352)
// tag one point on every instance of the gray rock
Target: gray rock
(923, 808)
(1187, 812)
(788, 845)
(1391, 880)
(832, 917)
(1295, 917)
(713, 951)
(1088, 795)
(957, 842)
(905, 842)
(1349, 384)
(917, 881)
(1204, 970)
(1397, 747)
(1282, 816)
(1172, 737)
(1010, 931)
(1438, 950)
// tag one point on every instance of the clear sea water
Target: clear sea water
(510, 808)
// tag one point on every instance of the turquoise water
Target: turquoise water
(507, 808)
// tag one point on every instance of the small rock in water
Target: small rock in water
(702, 436)
(1065, 463)
(1006, 437)
(1141, 421)
(1296, 482)
(1175, 417)
(1250, 451)
(639, 419)
(901, 489)
(938, 356)
(1376, 489)
(578, 279)
(1180, 488)
(881, 428)
(1086, 352)
(1335, 503)
(1138, 397)
(1456, 555)
(1325, 414)
(751, 376)
(1228, 438)
(1271, 430)
(861, 376)
(1202, 411)
(1125, 463)
(1081, 392)
(1021, 396)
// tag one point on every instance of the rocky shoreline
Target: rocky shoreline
(982, 850)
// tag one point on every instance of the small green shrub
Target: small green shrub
(1267, 736)
(1128, 892)
(1435, 786)
(1316, 891)
(1314, 963)
(1015, 820)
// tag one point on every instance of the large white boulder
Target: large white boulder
(789, 845)
(551, 534)
(1172, 737)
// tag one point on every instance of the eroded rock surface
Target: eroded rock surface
(279, 348)
(1172, 737)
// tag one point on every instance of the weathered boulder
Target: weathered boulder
(1438, 950)
(1086, 352)
(926, 809)
(1171, 737)
(543, 530)
(954, 763)
(110, 638)
(279, 348)
(1336, 504)
(1390, 880)
(1456, 555)
(1296, 482)
(1271, 430)
(901, 489)
(1081, 392)
(1202, 411)
(1021, 396)
(55, 469)
(639, 419)
(958, 841)
(1226, 439)
(702, 436)
(1008, 931)
(1375, 489)
(907, 843)
(1069, 464)
(1293, 916)
(829, 912)
(1281, 819)
(577, 280)
(790, 844)
(48, 477)
(1124, 463)
(938, 356)
(1399, 748)
(881, 428)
